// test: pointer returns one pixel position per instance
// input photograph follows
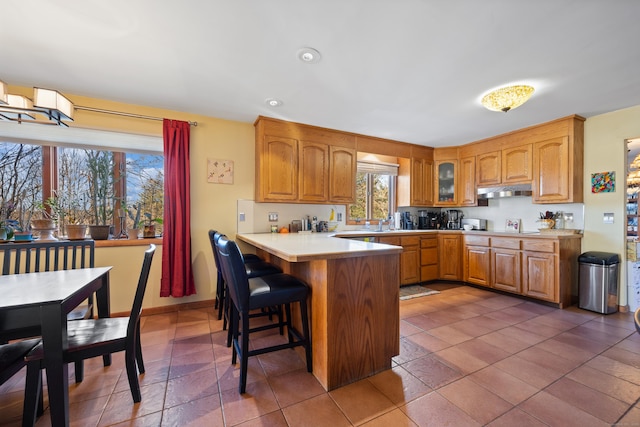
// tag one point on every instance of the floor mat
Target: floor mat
(415, 291)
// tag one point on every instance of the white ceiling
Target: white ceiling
(410, 70)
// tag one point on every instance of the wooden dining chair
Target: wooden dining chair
(12, 360)
(97, 337)
(249, 294)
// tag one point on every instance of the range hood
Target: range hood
(522, 190)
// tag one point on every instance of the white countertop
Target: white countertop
(298, 247)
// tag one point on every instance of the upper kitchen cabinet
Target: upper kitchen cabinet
(468, 193)
(304, 164)
(342, 178)
(313, 172)
(446, 176)
(489, 169)
(517, 164)
(415, 178)
(558, 163)
(277, 169)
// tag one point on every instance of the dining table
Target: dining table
(43, 300)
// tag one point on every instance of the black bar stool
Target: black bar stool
(247, 294)
(254, 266)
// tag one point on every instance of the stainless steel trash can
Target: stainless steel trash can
(598, 282)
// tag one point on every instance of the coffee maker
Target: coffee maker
(423, 220)
(407, 224)
(454, 216)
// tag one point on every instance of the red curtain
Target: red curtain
(177, 274)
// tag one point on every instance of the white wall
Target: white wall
(605, 150)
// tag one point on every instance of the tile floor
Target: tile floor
(468, 357)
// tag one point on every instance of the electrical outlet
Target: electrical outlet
(339, 216)
(273, 216)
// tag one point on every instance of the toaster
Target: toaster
(477, 224)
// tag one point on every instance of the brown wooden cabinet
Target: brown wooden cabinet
(428, 258)
(450, 256)
(342, 176)
(517, 164)
(477, 260)
(303, 164)
(506, 264)
(410, 260)
(278, 169)
(467, 186)
(313, 176)
(540, 270)
(415, 179)
(446, 179)
(489, 169)
(558, 164)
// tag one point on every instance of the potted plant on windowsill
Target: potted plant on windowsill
(134, 232)
(150, 227)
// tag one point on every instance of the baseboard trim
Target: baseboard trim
(170, 308)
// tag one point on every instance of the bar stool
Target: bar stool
(254, 266)
(262, 292)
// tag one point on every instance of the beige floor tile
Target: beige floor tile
(504, 385)
(555, 412)
(294, 387)
(256, 402)
(361, 401)
(475, 400)
(434, 410)
(202, 412)
(319, 411)
(395, 418)
(399, 385)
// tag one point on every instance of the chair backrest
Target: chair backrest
(636, 319)
(213, 236)
(35, 257)
(134, 317)
(233, 271)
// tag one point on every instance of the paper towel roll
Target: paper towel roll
(397, 219)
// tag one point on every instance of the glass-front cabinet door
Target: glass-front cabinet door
(446, 180)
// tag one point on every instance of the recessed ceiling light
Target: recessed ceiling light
(309, 55)
(273, 102)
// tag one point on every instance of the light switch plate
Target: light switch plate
(608, 218)
(241, 217)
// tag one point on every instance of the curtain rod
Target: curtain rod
(120, 113)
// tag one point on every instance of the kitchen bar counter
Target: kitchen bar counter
(354, 307)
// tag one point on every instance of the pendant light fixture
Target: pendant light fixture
(47, 103)
(507, 98)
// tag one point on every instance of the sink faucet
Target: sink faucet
(380, 224)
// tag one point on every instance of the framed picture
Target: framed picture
(512, 225)
(220, 171)
(603, 182)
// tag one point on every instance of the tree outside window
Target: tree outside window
(88, 186)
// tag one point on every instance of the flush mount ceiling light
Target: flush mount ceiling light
(273, 102)
(50, 104)
(309, 55)
(507, 98)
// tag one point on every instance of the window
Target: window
(375, 192)
(80, 185)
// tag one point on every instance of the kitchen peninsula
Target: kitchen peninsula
(354, 300)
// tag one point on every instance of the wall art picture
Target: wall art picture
(512, 225)
(220, 171)
(603, 182)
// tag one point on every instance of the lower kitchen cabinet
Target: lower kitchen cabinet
(410, 260)
(477, 260)
(428, 258)
(449, 253)
(505, 266)
(539, 275)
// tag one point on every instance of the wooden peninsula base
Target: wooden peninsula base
(354, 308)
